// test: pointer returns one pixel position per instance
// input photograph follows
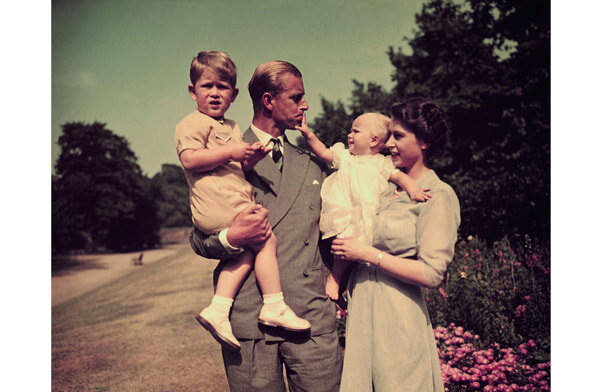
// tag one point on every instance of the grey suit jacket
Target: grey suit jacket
(293, 201)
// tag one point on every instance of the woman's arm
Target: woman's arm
(436, 234)
(407, 270)
(316, 145)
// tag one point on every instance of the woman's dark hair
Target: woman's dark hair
(426, 120)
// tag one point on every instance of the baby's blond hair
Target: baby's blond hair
(380, 125)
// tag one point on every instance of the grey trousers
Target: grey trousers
(311, 364)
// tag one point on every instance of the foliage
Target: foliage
(502, 293)
(171, 196)
(487, 64)
(467, 366)
(100, 198)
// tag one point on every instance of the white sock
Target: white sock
(222, 304)
(274, 301)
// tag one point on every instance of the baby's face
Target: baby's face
(213, 94)
(359, 138)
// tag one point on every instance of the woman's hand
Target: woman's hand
(350, 249)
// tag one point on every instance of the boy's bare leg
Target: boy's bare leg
(234, 274)
(215, 317)
(275, 311)
(335, 279)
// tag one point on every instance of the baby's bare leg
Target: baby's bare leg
(335, 278)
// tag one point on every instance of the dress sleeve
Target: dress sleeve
(339, 150)
(436, 234)
(388, 168)
(191, 135)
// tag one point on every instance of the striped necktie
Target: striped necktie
(277, 155)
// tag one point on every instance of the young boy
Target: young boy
(213, 155)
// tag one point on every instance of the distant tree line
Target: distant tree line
(487, 64)
(101, 200)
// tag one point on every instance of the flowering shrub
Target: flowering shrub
(500, 293)
(466, 366)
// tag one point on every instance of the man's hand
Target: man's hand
(249, 227)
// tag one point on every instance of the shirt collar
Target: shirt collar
(265, 137)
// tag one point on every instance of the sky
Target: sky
(125, 62)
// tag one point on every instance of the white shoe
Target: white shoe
(286, 319)
(220, 327)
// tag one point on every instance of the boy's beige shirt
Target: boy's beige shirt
(217, 195)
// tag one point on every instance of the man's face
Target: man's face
(290, 104)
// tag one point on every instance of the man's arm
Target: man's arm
(249, 227)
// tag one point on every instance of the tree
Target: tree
(100, 198)
(171, 195)
(487, 65)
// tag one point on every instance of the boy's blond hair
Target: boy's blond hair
(267, 77)
(216, 61)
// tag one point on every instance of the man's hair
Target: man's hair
(216, 61)
(267, 77)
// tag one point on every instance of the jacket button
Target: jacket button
(311, 206)
(306, 241)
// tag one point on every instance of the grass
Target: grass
(138, 333)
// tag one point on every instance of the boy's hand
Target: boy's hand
(420, 194)
(303, 128)
(240, 151)
(260, 152)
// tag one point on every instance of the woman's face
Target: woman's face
(406, 150)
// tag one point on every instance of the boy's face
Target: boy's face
(360, 139)
(212, 94)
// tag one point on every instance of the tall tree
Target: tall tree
(487, 64)
(101, 199)
(171, 194)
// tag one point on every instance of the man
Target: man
(287, 184)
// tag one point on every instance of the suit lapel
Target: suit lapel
(295, 165)
(266, 169)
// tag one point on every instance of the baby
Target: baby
(213, 155)
(350, 196)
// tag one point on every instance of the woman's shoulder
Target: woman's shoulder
(438, 188)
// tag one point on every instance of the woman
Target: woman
(389, 339)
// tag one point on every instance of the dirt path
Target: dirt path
(87, 272)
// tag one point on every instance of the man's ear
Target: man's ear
(268, 101)
(235, 94)
(191, 91)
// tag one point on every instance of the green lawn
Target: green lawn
(138, 333)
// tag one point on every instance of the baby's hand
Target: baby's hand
(303, 128)
(420, 194)
(241, 151)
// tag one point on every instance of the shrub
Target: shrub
(499, 292)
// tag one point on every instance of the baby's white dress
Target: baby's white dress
(350, 196)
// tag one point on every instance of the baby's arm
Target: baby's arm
(316, 145)
(410, 186)
(203, 159)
